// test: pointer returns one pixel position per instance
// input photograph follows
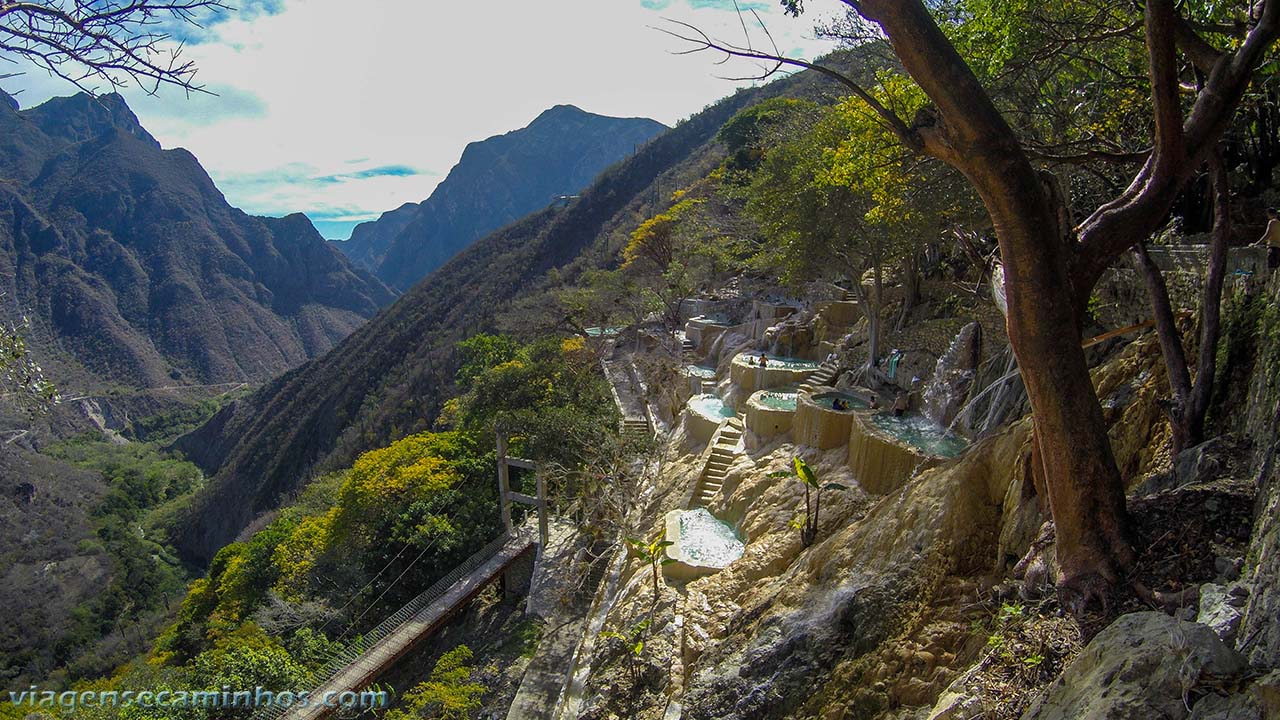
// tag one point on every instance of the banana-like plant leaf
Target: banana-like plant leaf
(805, 472)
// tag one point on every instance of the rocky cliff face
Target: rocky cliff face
(1260, 631)
(497, 181)
(132, 268)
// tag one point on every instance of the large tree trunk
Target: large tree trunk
(869, 305)
(1175, 358)
(1211, 303)
(1051, 265)
(1086, 493)
(1046, 309)
(1190, 403)
(911, 281)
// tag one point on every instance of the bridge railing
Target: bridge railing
(361, 645)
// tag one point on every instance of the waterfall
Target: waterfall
(953, 376)
(999, 383)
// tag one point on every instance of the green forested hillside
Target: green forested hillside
(356, 545)
(391, 376)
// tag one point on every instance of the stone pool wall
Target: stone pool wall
(767, 421)
(751, 378)
(700, 426)
(818, 426)
(881, 463)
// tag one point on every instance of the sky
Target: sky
(346, 113)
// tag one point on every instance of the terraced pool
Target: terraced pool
(710, 406)
(775, 361)
(921, 433)
(705, 541)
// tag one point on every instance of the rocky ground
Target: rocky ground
(907, 605)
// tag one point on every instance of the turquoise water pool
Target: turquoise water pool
(786, 363)
(714, 319)
(777, 400)
(604, 331)
(710, 406)
(706, 541)
(921, 433)
(827, 400)
(700, 371)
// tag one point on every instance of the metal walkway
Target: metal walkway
(362, 661)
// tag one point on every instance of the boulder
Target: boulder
(1260, 701)
(1202, 463)
(1220, 610)
(1142, 666)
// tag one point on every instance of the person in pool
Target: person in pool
(900, 404)
(840, 404)
(764, 361)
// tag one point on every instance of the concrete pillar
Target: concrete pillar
(504, 485)
(518, 576)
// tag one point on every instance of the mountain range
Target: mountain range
(496, 182)
(130, 268)
(391, 377)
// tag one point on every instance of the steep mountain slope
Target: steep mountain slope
(390, 377)
(50, 560)
(370, 240)
(497, 181)
(132, 268)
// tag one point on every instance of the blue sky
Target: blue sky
(344, 114)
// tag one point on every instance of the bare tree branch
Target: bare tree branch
(116, 42)
(701, 42)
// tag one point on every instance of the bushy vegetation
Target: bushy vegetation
(357, 543)
(449, 694)
(144, 485)
(166, 426)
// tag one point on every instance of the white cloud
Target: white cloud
(323, 88)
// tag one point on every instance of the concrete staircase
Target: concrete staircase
(687, 355)
(723, 449)
(825, 373)
(636, 428)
